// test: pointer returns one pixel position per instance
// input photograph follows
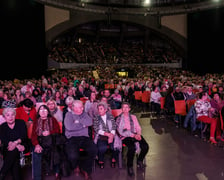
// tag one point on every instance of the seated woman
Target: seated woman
(45, 126)
(204, 110)
(9, 101)
(155, 100)
(91, 105)
(55, 111)
(130, 132)
(117, 98)
(13, 136)
(105, 130)
(57, 96)
(217, 103)
(105, 100)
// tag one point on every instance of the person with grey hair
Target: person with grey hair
(68, 108)
(105, 130)
(117, 98)
(13, 136)
(76, 124)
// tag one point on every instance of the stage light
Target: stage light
(147, 2)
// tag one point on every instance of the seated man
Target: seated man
(76, 125)
(110, 99)
(130, 132)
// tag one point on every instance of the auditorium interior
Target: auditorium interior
(38, 37)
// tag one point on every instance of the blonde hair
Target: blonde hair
(51, 100)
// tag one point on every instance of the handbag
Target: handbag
(22, 161)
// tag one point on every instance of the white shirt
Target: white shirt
(104, 118)
(155, 97)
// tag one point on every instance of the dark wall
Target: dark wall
(205, 39)
(22, 39)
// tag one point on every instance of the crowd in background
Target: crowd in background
(102, 52)
(80, 83)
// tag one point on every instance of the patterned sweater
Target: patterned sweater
(202, 108)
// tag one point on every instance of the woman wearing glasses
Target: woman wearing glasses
(43, 128)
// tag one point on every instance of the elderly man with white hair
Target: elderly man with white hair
(76, 124)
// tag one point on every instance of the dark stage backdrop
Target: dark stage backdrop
(23, 52)
(205, 41)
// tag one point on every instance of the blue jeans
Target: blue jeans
(36, 165)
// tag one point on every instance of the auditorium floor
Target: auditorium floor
(174, 154)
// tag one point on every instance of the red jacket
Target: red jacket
(21, 114)
(55, 130)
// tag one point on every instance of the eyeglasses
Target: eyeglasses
(43, 110)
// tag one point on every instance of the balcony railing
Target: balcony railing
(136, 7)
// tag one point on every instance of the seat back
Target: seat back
(60, 126)
(221, 119)
(145, 96)
(180, 107)
(1, 110)
(162, 102)
(83, 99)
(138, 95)
(29, 130)
(61, 107)
(116, 112)
(106, 86)
(111, 86)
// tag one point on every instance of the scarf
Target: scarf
(108, 127)
(44, 125)
(121, 120)
(54, 111)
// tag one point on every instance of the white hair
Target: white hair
(6, 110)
(69, 100)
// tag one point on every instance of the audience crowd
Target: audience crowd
(102, 52)
(73, 110)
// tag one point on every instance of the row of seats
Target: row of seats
(115, 113)
(182, 108)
